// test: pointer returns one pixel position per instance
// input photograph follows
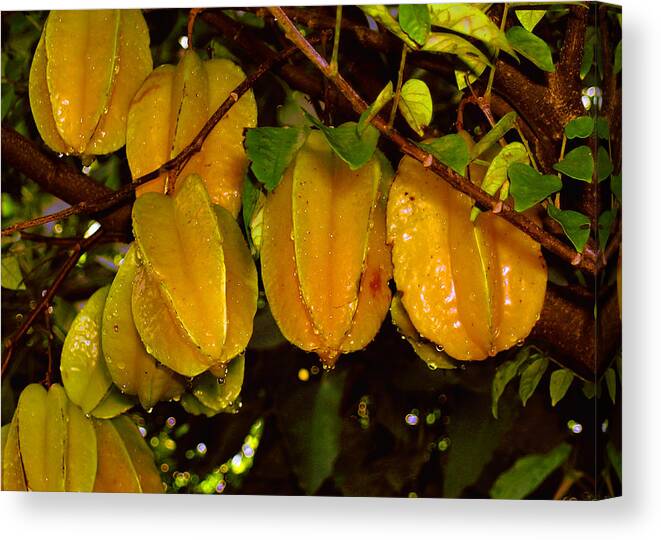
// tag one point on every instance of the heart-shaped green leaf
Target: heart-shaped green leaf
(451, 150)
(271, 150)
(528, 187)
(581, 127)
(577, 164)
(530, 17)
(575, 225)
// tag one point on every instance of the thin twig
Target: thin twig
(492, 69)
(192, 16)
(177, 163)
(49, 336)
(68, 241)
(47, 298)
(336, 38)
(398, 88)
(483, 200)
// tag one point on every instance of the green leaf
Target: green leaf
(474, 70)
(531, 376)
(494, 134)
(530, 17)
(616, 186)
(249, 199)
(604, 165)
(527, 474)
(311, 424)
(440, 42)
(531, 47)
(451, 150)
(496, 174)
(382, 15)
(617, 62)
(12, 278)
(575, 225)
(603, 132)
(577, 164)
(415, 21)
(415, 104)
(469, 20)
(611, 383)
(474, 437)
(589, 389)
(368, 114)
(588, 51)
(8, 99)
(292, 112)
(605, 224)
(581, 127)
(504, 374)
(528, 187)
(271, 150)
(354, 149)
(561, 380)
(256, 227)
(615, 458)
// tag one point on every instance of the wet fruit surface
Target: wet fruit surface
(86, 69)
(473, 289)
(169, 110)
(325, 264)
(195, 294)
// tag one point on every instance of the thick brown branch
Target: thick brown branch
(482, 199)
(58, 178)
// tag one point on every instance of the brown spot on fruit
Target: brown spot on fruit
(375, 283)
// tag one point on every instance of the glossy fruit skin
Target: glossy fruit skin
(83, 369)
(131, 367)
(51, 445)
(169, 110)
(325, 263)
(472, 289)
(86, 68)
(195, 293)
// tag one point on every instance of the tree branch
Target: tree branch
(58, 178)
(23, 154)
(482, 199)
(47, 298)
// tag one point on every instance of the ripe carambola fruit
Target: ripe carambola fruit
(85, 71)
(131, 367)
(84, 372)
(473, 289)
(102, 347)
(52, 446)
(172, 106)
(125, 464)
(325, 263)
(195, 293)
